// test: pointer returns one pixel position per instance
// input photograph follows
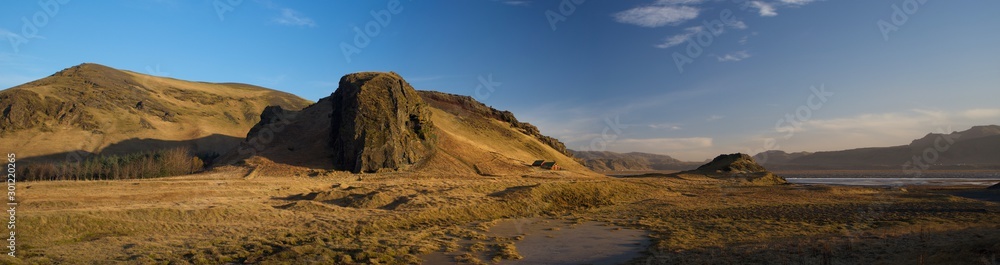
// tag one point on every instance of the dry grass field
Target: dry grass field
(288, 215)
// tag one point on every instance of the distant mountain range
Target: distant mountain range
(634, 161)
(975, 148)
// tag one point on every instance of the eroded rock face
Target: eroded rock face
(378, 122)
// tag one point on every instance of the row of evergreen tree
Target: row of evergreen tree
(150, 164)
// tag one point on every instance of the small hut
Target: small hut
(551, 165)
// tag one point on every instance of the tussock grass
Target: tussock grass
(506, 251)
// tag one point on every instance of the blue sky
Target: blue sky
(599, 75)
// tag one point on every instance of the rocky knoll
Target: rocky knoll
(379, 121)
(741, 167)
(732, 163)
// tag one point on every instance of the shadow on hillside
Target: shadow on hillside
(208, 146)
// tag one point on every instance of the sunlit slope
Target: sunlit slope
(97, 109)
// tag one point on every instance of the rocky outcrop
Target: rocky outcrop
(739, 167)
(378, 122)
(22, 109)
(995, 187)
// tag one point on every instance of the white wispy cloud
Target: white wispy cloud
(796, 2)
(660, 145)
(873, 129)
(665, 126)
(294, 18)
(679, 2)
(715, 117)
(765, 9)
(680, 38)
(904, 124)
(690, 32)
(981, 113)
(517, 3)
(770, 8)
(657, 16)
(738, 24)
(734, 57)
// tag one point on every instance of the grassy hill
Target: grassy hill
(91, 108)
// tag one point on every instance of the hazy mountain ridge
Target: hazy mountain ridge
(632, 161)
(977, 147)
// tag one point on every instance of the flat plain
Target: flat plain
(289, 215)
